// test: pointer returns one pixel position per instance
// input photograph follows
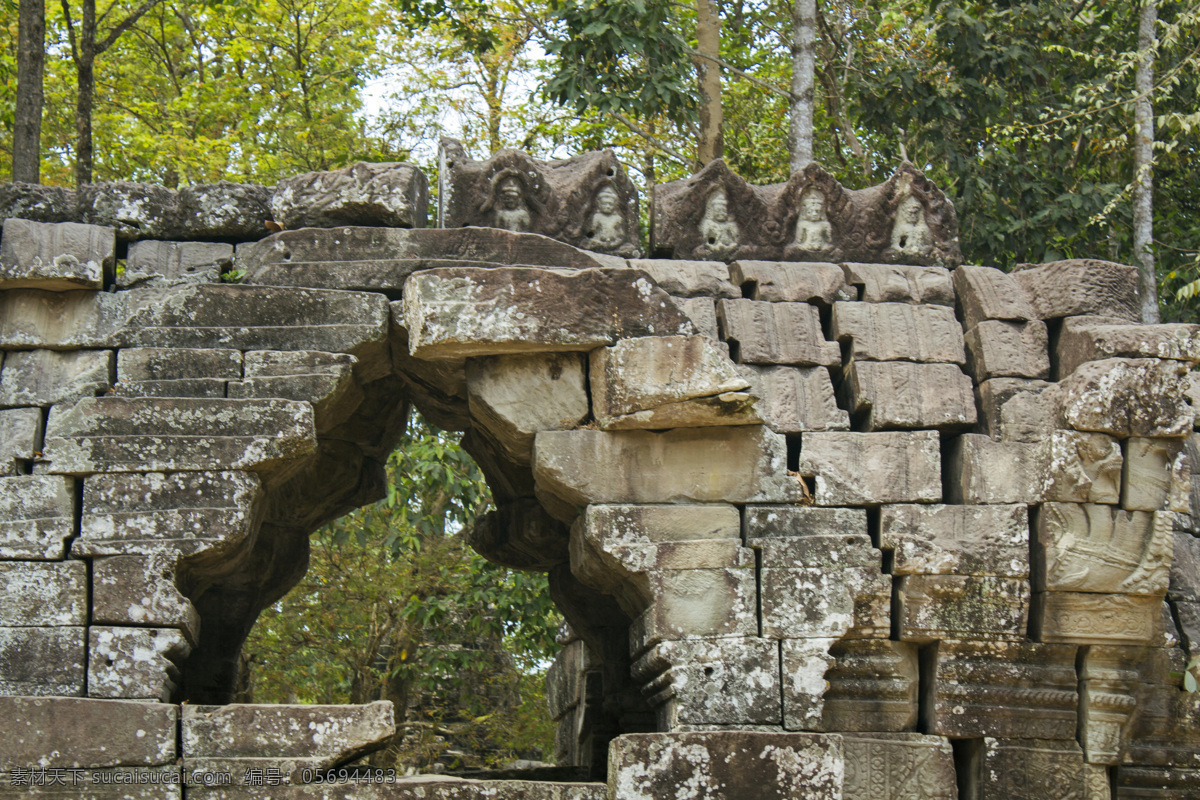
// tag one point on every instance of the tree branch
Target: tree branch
(741, 74)
(656, 143)
(66, 7)
(125, 24)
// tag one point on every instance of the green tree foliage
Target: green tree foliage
(396, 606)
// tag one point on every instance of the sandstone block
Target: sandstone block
(1027, 769)
(42, 661)
(963, 607)
(956, 540)
(31, 318)
(128, 434)
(1098, 548)
(390, 195)
(1086, 339)
(1068, 466)
(134, 210)
(688, 278)
(899, 332)
(1000, 349)
(895, 283)
(170, 363)
(37, 516)
(813, 603)
(697, 604)
(792, 400)
(1003, 689)
(898, 394)
(20, 438)
(1081, 286)
(57, 257)
(1091, 618)
(736, 464)
(722, 681)
(134, 663)
(152, 263)
(766, 522)
(452, 313)
(1025, 420)
(37, 202)
(899, 766)
(1156, 475)
(78, 733)
(790, 282)
(46, 377)
(183, 512)
(47, 594)
(725, 766)
(805, 663)
(513, 397)
(326, 380)
(655, 524)
(988, 293)
(223, 210)
(830, 552)
(140, 590)
(1108, 677)
(1080, 468)
(775, 333)
(872, 468)
(442, 787)
(1185, 568)
(702, 311)
(520, 534)
(872, 686)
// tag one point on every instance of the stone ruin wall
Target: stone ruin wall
(829, 515)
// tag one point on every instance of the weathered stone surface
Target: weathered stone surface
(47, 594)
(1107, 680)
(183, 512)
(415, 787)
(722, 681)
(873, 686)
(725, 766)
(170, 363)
(956, 540)
(689, 278)
(775, 333)
(141, 590)
(899, 332)
(1026, 770)
(790, 282)
(154, 263)
(892, 283)
(55, 256)
(1081, 286)
(737, 464)
(805, 662)
(76, 733)
(134, 210)
(223, 210)
(1098, 548)
(513, 397)
(1156, 475)
(37, 516)
(765, 522)
(1000, 349)
(36, 202)
(521, 535)
(134, 663)
(1080, 468)
(120, 434)
(1157, 783)
(325, 380)
(964, 607)
(1067, 466)
(900, 394)
(988, 293)
(452, 313)
(30, 318)
(375, 259)
(792, 400)
(293, 738)
(45, 377)
(655, 380)
(1003, 689)
(20, 438)
(1091, 618)
(42, 661)
(825, 600)
(702, 311)
(872, 468)
(1086, 339)
(899, 766)
(390, 195)
(1025, 420)
(696, 604)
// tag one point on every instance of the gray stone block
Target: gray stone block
(791, 282)
(37, 516)
(688, 278)
(56, 257)
(987, 293)
(170, 363)
(134, 210)
(775, 333)
(899, 332)
(1000, 349)
(1127, 397)
(134, 663)
(46, 377)
(1082, 286)
(702, 311)
(956, 540)
(155, 263)
(42, 661)
(872, 468)
(895, 283)
(795, 399)
(43, 593)
(1085, 339)
(77, 733)
(962, 607)
(30, 319)
(140, 590)
(20, 439)
(898, 394)
(390, 195)
(223, 210)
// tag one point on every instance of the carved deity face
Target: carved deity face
(509, 195)
(717, 209)
(607, 200)
(911, 211)
(812, 206)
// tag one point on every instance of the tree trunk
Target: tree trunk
(1143, 155)
(708, 42)
(85, 63)
(27, 125)
(800, 134)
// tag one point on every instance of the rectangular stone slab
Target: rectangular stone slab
(813, 603)
(896, 283)
(31, 318)
(43, 593)
(453, 313)
(133, 434)
(134, 663)
(898, 394)
(796, 521)
(37, 516)
(1081, 286)
(795, 399)
(1001, 349)
(688, 278)
(140, 590)
(83, 733)
(899, 332)
(55, 256)
(42, 661)
(872, 468)
(46, 377)
(956, 540)
(933, 607)
(1084, 547)
(720, 681)
(172, 363)
(776, 333)
(900, 766)
(1091, 618)
(791, 282)
(988, 293)
(20, 438)
(164, 263)
(1030, 769)
(873, 686)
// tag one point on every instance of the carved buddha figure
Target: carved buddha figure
(813, 231)
(720, 233)
(910, 233)
(511, 211)
(606, 230)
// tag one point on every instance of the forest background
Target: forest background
(1022, 111)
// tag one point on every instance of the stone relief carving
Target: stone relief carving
(717, 230)
(813, 231)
